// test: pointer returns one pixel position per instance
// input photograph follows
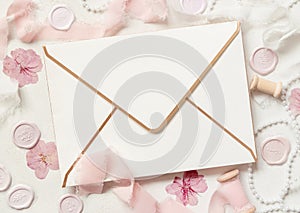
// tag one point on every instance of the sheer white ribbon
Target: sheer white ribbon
(9, 96)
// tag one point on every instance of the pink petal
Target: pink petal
(190, 174)
(17, 54)
(182, 198)
(295, 105)
(35, 66)
(39, 148)
(295, 110)
(10, 67)
(294, 99)
(188, 198)
(25, 79)
(178, 180)
(33, 160)
(33, 61)
(50, 148)
(52, 157)
(192, 198)
(53, 162)
(294, 102)
(199, 185)
(187, 189)
(173, 188)
(42, 171)
(28, 63)
(33, 155)
(295, 94)
(54, 165)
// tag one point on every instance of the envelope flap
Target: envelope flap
(231, 94)
(146, 75)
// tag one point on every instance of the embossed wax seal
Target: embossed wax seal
(193, 6)
(26, 135)
(5, 179)
(263, 61)
(70, 203)
(20, 197)
(61, 17)
(275, 150)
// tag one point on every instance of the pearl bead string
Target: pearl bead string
(213, 4)
(294, 3)
(100, 9)
(287, 186)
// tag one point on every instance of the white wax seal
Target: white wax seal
(264, 61)
(61, 17)
(275, 150)
(70, 203)
(5, 179)
(20, 197)
(193, 7)
(26, 135)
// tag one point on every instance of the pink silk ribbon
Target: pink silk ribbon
(142, 202)
(15, 12)
(92, 170)
(19, 13)
(148, 11)
(3, 37)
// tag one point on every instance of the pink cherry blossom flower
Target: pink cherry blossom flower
(294, 100)
(41, 158)
(23, 66)
(188, 188)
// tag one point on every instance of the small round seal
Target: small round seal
(70, 203)
(26, 135)
(275, 150)
(263, 61)
(20, 197)
(61, 17)
(5, 179)
(193, 7)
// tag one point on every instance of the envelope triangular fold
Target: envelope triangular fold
(77, 114)
(228, 94)
(117, 91)
(123, 68)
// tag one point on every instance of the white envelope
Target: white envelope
(166, 101)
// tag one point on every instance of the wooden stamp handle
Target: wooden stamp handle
(266, 86)
(228, 175)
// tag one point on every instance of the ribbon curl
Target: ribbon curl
(15, 12)
(20, 13)
(92, 171)
(281, 30)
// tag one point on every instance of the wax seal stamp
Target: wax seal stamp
(5, 179)
(70, 203)
(61, 17)
(26, 135)
(266, 86)
(193, 7)
(275, 150)
(263, 61)
(20, 197)
(228, 175)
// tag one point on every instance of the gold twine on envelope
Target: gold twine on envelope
(168, 118)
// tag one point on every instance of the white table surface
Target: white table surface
(35, 107)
